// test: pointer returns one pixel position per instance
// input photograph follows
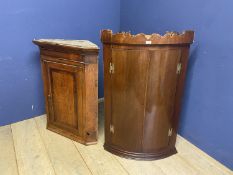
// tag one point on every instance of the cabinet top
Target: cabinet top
(169, 38)
(75, 45)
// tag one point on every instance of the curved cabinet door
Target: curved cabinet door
(143, 92)
(160, 99)
(128, 83)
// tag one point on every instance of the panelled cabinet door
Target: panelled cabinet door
(65, 87)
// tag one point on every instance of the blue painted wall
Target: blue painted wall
(21, 89)
(207, 116)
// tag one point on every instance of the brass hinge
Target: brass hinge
(170, 132)
(179, 67)
(111, 68)
(112, 129)
(49, 98)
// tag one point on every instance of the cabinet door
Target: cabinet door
(128, 83)
(160, 98)
(65, 87)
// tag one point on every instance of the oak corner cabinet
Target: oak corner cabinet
(70, 75)
(143, 81)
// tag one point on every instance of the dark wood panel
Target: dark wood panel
(107, 56)
(128, 92)
(160, 98)
(179, 94)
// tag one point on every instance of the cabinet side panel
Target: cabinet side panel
(91, 102)
(46, 89)
(107, 91)
(160, 98)
(179, 94)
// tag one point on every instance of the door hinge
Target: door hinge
(170, 132)
(179, 67)
(49, 98)
(111, 68)
(112, 129)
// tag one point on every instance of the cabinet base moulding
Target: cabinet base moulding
(69, 135)
(140, 156)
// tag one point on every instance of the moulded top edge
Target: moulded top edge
(69, 44)
(185, 37)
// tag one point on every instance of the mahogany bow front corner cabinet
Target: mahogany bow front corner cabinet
(143, 81)
(70, 75)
